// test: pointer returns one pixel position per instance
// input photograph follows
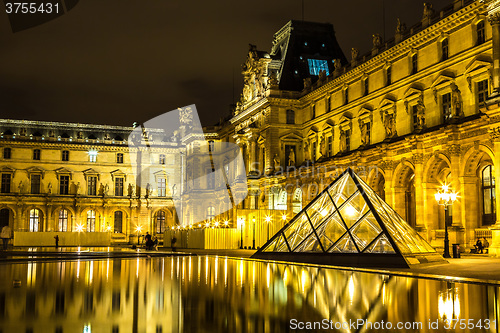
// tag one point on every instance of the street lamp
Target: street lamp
(253, 242)
(241, 223)
(445, 197)
(268, 219)
(138, 229)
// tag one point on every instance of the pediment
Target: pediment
(35, 170)
(365, 111)
(7, 169)
(63, 170)
(312, 131)
(412, 91)
(479, 62)
(443, 78)
(328, 125)
(118, 173)
(387, 102)
(291, 136)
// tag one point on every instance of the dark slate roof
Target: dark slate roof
(298, 41)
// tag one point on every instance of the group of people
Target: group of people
(150, 243)
(481, 246)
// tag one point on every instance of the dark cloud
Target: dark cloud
(115, 61)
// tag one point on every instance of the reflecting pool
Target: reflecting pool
(217, 294)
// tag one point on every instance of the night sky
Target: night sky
(119, 61)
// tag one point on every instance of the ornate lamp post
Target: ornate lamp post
(138, 229)
(241, 223)
(445, 197)
(268, 220)
(253, 242)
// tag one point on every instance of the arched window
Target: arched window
(290, 117)
(63, 220)
(160, 222)
(210, 213)
(444, 49)
(118, 221)
(488, 191)
(91, 221)
(35, 220)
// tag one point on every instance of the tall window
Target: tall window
(329, 145)
(65, 155)
(481, 37)
(35, 184)
(313, 111)
(119, 158)
(446, 106)
(488, 190)
(314, 151)
(211, 146)
(63, 184)
(365, 87)
(63, 220)
(444, 49)
(346, 95)
(348, 139)
(414, 64)
(290, 117)
(162, 159)
(92, 156)
(162, 187)
(92, 185)
(118, 221)
(327, 104)
(119, 187)
(482, 91)
(160, 222)
(6, 180)
(7, 153)
(35, 220)
(210, 213)
(388, 75)
(36, 154)
(91, 221)
(368, 132)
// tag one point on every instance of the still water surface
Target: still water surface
(216, 294)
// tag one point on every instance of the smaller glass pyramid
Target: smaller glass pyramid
(348, 217)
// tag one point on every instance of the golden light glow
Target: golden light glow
(79, 227)
(217, 224)
(268, 219)
(226, 222)
(138, 228)
(324, 212)
(351, 289)
(283, 217)
(350, 211)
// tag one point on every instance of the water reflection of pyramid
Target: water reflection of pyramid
(348, 224)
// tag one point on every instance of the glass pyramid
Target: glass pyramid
(349, 218)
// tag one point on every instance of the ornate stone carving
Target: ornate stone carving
(307, 83)
(400, 27)
(495, 134)
(377, 41)
(389, 120)
(454, 150)
(418, 158)
(354, 55)
(363, 127)
(342, 140)
(428, 11)
(420, 125)
(456, 101)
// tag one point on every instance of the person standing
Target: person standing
(57, 241)
(6, 234)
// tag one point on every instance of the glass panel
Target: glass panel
(271, 246)
(321, 209)
(487, 201)
(381, 245)
(281, 245)
(486, 176)
(366, 231)
(310, 245)
(337, 190)
(345, 245)
(353, 209)
(330, 231)
(298, 231)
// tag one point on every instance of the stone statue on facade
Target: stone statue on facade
(428, 11)
(273, 80)
(307, 153)
(247, 90)
(49, 188)
(322, 76)
(106, 190)
(354, 54)
(77, 190)
(420, 125)
(291, 158)
(52, 133)
(130, 190)
(365, 137)
(321, 146)
(20, 187)
(307, 83)
(377, 41)
(79, 135)
(148, 190)
(342, 140)
(276, 161)
(400, 27)
(389, 121)
(456, 101)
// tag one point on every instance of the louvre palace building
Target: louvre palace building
(419, 110)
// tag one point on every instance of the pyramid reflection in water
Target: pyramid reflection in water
(348, 224)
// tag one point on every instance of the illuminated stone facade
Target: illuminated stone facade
(62, 177)
(412, 114)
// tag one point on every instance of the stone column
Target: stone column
(495, 229)
(457, 230)
(251, 137)
(419, 195)
(493, 10)
(470, 207)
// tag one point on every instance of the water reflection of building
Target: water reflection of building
(207, 294)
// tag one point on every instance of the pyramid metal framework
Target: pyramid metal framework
(348, 224)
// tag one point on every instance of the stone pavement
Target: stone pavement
(469, 268)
